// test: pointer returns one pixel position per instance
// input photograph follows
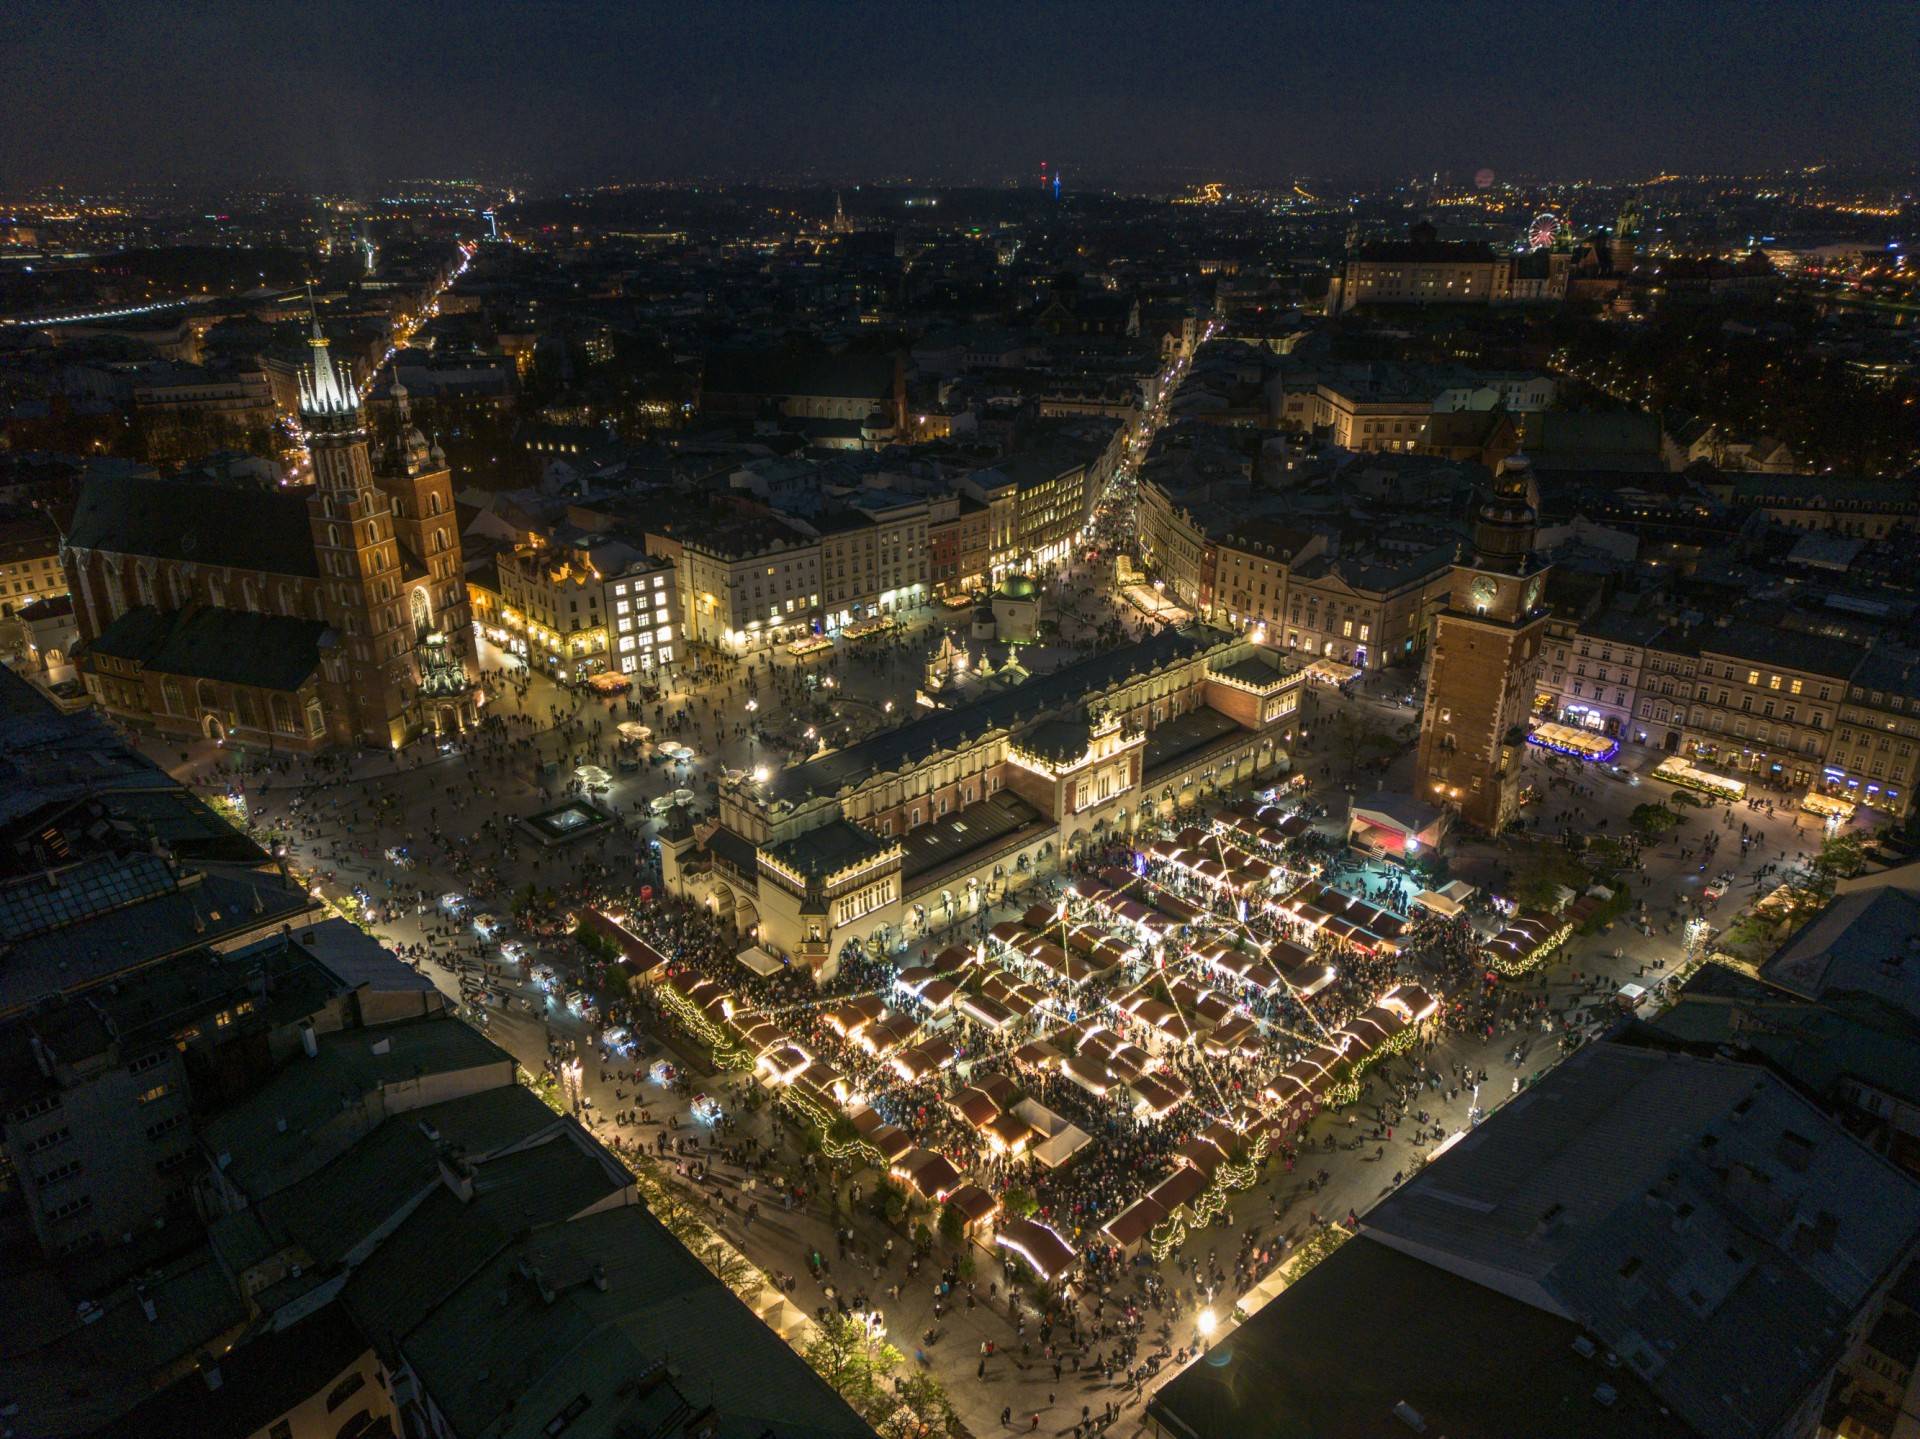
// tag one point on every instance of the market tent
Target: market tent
(759, 961)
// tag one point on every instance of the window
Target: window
(159, 1091)
(60, 1172)
(345, 1390)
(48, 1140)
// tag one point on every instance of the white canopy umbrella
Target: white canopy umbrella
(633, 729)
(591, 774)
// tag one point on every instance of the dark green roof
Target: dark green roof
(271, 652)
(764, 372)
(1017, 587)
(1469, 1362)
(829, 848)
(944, 729)
(1059, 740)
(501, 1359)
(207, 524)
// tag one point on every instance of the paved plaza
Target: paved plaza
(392, 836)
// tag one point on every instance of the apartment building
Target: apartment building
(1766, 700)
(746, 583)
(1593, 672)
(874, 557)
(1373, 413)
(594, 603)
(1875, 756)
(29, 563)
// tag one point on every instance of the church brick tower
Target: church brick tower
(358, 553)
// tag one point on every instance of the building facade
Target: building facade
(29, 564)
(593, 605)
(1487, 647)
(919, 828)
(1765, 702)
(746, 584)
(337, 616)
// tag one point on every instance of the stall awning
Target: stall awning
(759, 961)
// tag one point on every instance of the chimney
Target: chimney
(41, 1057)
(600, 1280)
(309, 1041)
(457, 1174)
(210, 1372)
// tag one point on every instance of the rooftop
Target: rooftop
(1863, 941)
(1471, 1363)
(892, 749)
(272, 652)
(260, 1380)
(315, 1109)
(198, 523)
(956, 839)
(1704, 1221)
(502, 1358)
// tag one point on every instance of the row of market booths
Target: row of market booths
(1326, 1073)
(938, 1181)
(1317, 911)
(1528, 938)
(1148, 915)
(1267, 827)
(1207, 859)
(1068, 953)
(1008, 1122)
(1220, 1157)
(1270, 967)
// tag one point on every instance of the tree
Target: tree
(846, 1355)
(1840, 856)
(1545, 870)
(920, 1410)
(1651, 821)
(953, 1226)
(1357, 741)
(889, 1200)
(1019, 1202)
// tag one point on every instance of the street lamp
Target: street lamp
(1206, 1323)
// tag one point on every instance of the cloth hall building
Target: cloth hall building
(298, 619)
(915, 829)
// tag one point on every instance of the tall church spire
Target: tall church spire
(325, 392)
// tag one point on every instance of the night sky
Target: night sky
(339, 91)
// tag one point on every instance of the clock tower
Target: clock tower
(1485, 662)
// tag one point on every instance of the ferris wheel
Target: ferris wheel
(1544, 230)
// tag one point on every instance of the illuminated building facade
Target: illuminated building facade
(297, 620)
(916, 829)
(1487, 649)
(597, 604)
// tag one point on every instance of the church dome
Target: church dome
(1018, 587)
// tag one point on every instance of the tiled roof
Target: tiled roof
(946, 729)
(198, 523)
(272, 652)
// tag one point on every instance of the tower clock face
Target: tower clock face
(1483, 592)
